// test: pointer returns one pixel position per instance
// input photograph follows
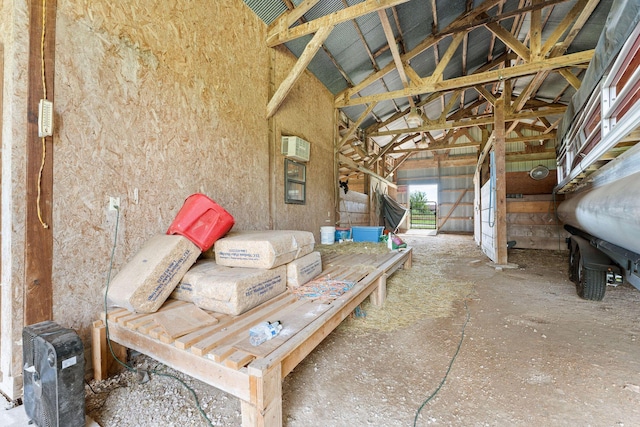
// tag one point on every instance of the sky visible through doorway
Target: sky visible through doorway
(430, 190)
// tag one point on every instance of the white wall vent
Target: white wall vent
(295, 148)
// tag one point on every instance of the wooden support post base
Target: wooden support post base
(408, 262)
(265, 408)
(104, 364)
(379, 295)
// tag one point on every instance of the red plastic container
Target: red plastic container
(202, 221)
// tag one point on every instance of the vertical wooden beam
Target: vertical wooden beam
(535, 42)
(379, 294)
(38, 299)
(273, 146)
(104, 364)
(265, 407)
(501, 185)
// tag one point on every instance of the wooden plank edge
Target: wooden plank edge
(234, 382)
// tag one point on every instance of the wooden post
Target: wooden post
(408, 264)
(38, 299)
(379, 295)
(265, 407)
(501, 186)
(104, 364)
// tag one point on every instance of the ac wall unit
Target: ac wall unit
(53, 374)
(295, 148)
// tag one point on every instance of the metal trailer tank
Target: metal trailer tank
(610, 212)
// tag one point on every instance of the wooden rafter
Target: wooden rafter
(462, 21)
(353, 165)
(562, 27)
(509, 40)
(393, 47)
(486, 94)
(393, 143)
(355, 126)
(475, 79)
(571, 78)
(287, 19)
(397, 164)
(297, 70)
(276, 37)
(534, 56)
(471, 122)
(437, 74)
(535, 33)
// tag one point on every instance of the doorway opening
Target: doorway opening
(423, 202)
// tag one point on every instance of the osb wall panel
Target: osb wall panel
(164, 98)
(13, 26)
(307, 112)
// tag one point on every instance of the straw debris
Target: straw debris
(427, 290)
(352, 248)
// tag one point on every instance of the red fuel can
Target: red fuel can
(202, 221)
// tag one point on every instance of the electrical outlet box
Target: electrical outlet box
(114, 203)
(45, 118)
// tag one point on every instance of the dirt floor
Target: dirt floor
(531, 353)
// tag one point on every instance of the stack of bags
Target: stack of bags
(249, 267)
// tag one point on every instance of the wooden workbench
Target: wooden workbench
(221, 355)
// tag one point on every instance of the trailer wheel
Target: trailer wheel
(591, 284)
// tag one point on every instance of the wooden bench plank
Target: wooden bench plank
(241, 325)
(238, 359)
(292, 323)
(191, 339)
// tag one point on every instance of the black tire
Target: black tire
(591, 284)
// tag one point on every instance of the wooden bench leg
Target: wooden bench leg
(265, 408)
(407, 263)
(103, 362)
(379, 295)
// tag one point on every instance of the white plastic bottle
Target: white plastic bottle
(264, 331)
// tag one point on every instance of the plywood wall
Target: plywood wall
(13, 26)
(299, 115)
(154, 102)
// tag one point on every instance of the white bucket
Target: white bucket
(327, 235)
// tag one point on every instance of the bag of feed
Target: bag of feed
(263, 249)
(229, 290)
(147, 280)
(301, 270)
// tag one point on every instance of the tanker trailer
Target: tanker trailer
(598, 161)
(604, 247)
